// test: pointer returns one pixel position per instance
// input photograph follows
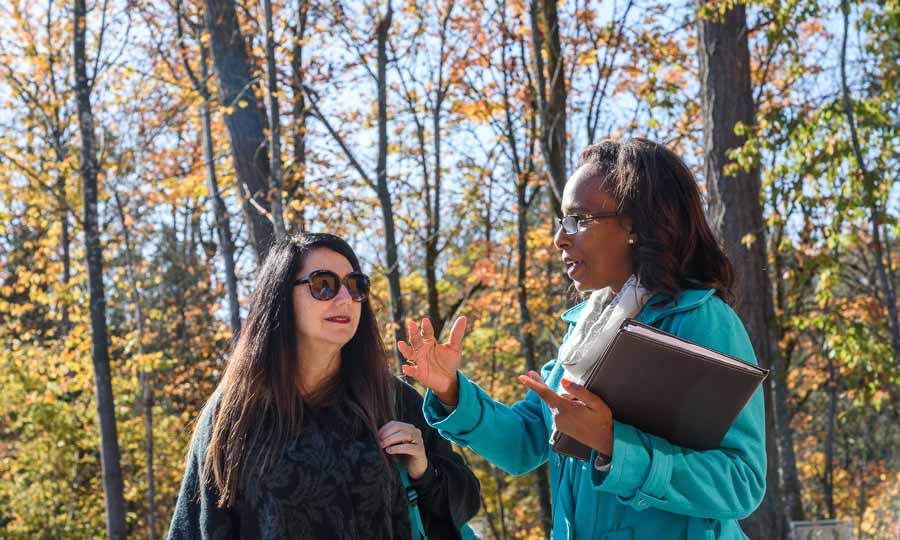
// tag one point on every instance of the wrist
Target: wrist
(416, 471)
(450, 395)
(604, 442)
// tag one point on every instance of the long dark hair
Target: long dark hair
(675, 247)
(257, 407)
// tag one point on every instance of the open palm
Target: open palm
(429, 362)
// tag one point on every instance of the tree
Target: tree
(109, 441)
(380, 184)
(736, 211)
(550, 82)
(275, 176)
(223, 222)
(243, 118)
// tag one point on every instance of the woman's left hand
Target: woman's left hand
(584, 415)
(400, 438)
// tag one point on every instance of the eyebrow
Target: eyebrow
(576, 210)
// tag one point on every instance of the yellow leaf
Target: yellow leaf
(748, 239)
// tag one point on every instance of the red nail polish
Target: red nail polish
(566, 383)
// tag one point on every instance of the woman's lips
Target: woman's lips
(339, 319)
(572, 268)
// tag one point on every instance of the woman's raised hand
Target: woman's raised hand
(431, 363)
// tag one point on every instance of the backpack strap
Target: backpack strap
(415, 518)
(412, 496)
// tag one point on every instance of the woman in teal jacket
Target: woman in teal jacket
(635, 236)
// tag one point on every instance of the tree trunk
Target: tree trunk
(243, 119)
(384, 194)
(551, 83)
(727, 99)
(522, 205)
(145, 375)
(64, 245)
(109, 443)
(828, 476)
(274, 124)
(434, 215)
(298, 178)
(432, 250)
(223, 223)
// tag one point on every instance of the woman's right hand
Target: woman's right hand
(431, 363)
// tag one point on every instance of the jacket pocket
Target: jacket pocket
(618, 534)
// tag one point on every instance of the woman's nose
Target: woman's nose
(343, 295)
(561, 239)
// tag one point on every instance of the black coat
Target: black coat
(331, 482)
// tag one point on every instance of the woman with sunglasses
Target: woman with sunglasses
(304, 434)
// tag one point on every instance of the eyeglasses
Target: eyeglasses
(325, 285)
(570, 223)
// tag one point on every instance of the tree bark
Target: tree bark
(223, 223)
(379, 184)
(522, 205)
(274, 124)
(299, 113)
(109, 442)
(727, 99)
(243, 119)
(64, 245)
(384, 194)
(220, 212)
(828, 476)
(524, 168)
(145, 375)
(551, 86)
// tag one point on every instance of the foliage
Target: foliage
(462, 118)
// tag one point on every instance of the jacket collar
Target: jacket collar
(657, 307)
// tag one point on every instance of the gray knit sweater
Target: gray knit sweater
(331, 483)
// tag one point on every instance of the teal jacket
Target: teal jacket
(654, 490)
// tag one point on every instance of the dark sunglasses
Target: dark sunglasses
(570, 223)
(325, 284)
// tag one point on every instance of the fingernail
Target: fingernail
(566, 383)
(522, 378)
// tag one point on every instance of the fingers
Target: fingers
(457, 332)
(592, 400)
(405, 449)
(415, 336)
(411, 371)
(396, 433)
(406, 350)
(392, 427)
(427, 330)
(551, 398)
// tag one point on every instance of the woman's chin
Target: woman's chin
(585, 287)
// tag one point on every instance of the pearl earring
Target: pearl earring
(631, 241)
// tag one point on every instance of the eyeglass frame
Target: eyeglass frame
(340, 280)
(579, 218)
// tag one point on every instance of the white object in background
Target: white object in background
(826, 529)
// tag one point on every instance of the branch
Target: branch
(310, 95)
